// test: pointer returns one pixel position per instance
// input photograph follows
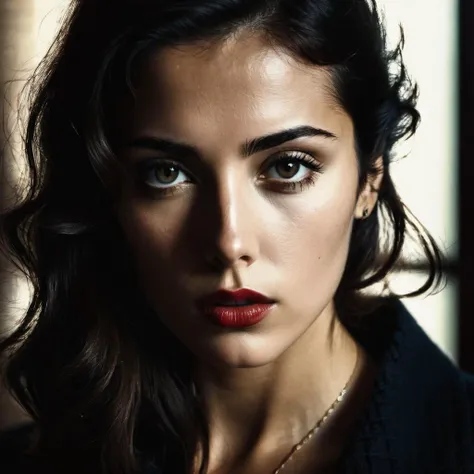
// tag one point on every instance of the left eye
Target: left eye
(288, 169)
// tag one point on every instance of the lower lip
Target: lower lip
(237, 316)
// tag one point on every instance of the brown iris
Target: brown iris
(287, 169)
(166, 174)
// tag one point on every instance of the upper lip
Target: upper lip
(237, 296)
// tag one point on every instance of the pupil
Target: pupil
(167, 174)
(288, 169)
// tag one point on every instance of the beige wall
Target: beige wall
(17, 18)
(427, 178)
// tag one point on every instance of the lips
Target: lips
(240, 297)
(235, 309)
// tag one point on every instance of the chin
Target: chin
(242, 351)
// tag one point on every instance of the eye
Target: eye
(288, 169)
(162, 174)
(292, 168)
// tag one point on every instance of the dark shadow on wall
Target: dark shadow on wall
(466, 180)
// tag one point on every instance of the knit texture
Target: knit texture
(420, 419)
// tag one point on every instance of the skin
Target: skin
(231, 223)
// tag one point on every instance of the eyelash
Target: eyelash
(148, 166)
(300, 158)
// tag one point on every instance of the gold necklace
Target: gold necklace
(312, 432)
(320, 423)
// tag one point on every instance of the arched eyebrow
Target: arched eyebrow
(251, 147)
(273, 140)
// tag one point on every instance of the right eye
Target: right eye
(162, 175)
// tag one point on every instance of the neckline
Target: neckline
(416, 409)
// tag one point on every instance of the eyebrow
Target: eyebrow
(249, 148)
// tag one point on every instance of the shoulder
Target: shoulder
(468, 382)
(421, 413)
(14, 446)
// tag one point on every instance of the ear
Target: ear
(368, 195)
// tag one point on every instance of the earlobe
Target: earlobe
(363, 208)
(368, 196)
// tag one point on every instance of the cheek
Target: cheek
(313, 244)
(152, 228)
(319, 238)
(148, 241)
(152, 238)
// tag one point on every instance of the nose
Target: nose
(233, 232)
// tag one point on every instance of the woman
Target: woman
(209, 183)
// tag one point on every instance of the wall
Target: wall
(427, 178)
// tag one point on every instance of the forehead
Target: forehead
(233, 84)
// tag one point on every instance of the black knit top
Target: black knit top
(421, 416)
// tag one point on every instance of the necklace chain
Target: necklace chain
(319, 423)
(313, 431)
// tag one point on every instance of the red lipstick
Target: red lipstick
(235, 309)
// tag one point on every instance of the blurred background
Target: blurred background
(435, 178)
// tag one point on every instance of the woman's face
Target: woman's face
(202, 210)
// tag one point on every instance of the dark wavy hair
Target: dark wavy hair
(110, 389)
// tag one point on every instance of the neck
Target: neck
(255, 410)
